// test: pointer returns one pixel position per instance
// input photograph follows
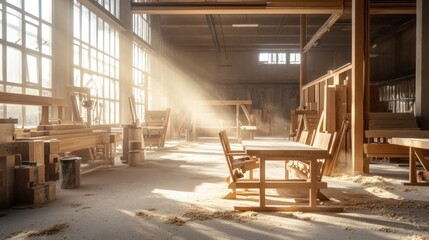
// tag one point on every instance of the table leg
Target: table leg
(262, 182)
(413, 173)
(313, 183)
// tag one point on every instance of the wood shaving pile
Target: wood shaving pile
(294, 215)
(197, 214)
(175, 220)
(144, 214)
(202, 215)
(416, 237)
(398, 210)
(54, 229)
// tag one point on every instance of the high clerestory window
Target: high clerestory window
(279, 58)
(272, 58)
(111, 6)
(141, 27)
(26, 55)
(294, 58)
(96, 62)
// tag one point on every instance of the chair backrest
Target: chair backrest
(322, 140)
(328, 142)
(223, 137)
(303, 137)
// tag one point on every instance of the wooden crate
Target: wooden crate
(37, 195)
(29, 176)
(7, 165)
(32, 151)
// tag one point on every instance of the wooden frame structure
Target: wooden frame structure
(239, 104)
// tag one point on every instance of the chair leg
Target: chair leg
(251, 174)
(321, 196)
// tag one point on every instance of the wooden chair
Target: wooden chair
(238, 164)
(322, 140)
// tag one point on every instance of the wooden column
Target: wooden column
(62, 49)
(126, 62)
(303, 65)
(359, 14)
(422, 64)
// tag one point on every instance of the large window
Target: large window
(26, 55)
(141, 66)
(272, 58)
(96, 62)
(141, 27)
(294, 58)
(111, 5)
(279, 58)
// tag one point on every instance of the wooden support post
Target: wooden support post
(413, 173)
(303, 65)
(237, 120)
(262, 182)
(359, 11)
(422, 63)
(44, 119)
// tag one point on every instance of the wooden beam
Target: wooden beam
(359, 11)
(23, 99)
(273, 7)
(322, 30)
(225, 102)
(269, 7)
(303, 65)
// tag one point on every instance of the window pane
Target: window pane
(76, 21)
(31, 35)
(263, 57)
(76, 55)
(295, 58)
(14, 65)
(14, 26)
(32, 7)
(46, 73)
(32, 115)
(13, 89)
(14, 111)
(46, 39)
(85, 25)
(47, 10)
(1, 64)
(282, 58)
(32, 91)
(1, 27)
(93, 30)
(17, 3)
(76, 77)
(32, 69)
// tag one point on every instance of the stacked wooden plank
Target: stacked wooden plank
(383, 126)
(36, 171)
(7, 162)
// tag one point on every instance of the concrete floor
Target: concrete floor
(178, 193)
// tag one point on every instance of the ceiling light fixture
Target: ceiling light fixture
(245, 25)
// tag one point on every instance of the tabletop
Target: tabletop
(283, 149)
(412, 142)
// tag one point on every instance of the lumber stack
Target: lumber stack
(29, 169)
(382, 126)
(7, 161)
(36, 172)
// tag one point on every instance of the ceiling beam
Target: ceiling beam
(213, 31)
(322, 30)
(270, 7)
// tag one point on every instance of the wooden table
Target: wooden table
(267, 150)
(415, 146)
